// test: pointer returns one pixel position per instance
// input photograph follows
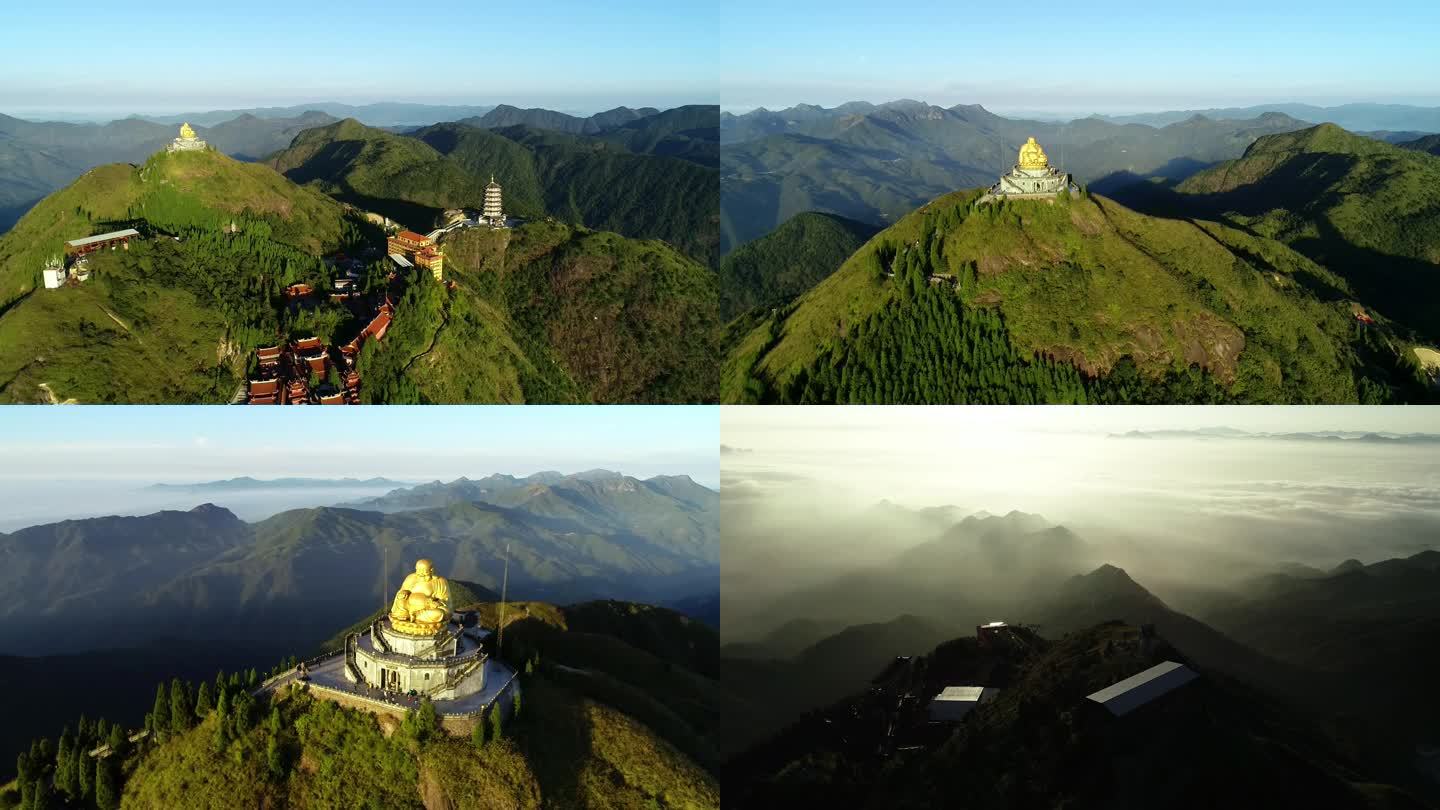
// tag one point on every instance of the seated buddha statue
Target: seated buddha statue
(422, 605)
(1032, 156)
(186, 132)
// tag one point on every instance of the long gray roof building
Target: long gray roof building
(1126, 696)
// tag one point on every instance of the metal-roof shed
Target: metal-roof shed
(104, 237)
(1135, 691)
(954, 702)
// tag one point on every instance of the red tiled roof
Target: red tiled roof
(260, 387)
(412, 236)
(333, 399)
(309, 344)
(269, 353)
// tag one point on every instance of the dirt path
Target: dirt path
(117, 320)
(435, 338)
(54, 400)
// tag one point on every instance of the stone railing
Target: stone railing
(275, 680)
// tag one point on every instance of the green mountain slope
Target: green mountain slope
(602, 724)
(550, 313)
(1426, 143)
(1368, 211)
(577, 179)
(788, 261)
(37, 158)
(167, 320)
(1071, 300)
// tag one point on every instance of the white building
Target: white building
(1126, 696)
(954, 702)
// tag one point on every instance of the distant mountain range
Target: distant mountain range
(381, 114)
(1354, 117)
(247, 483)
(1324, 435)
(294, 577)
(875, 162)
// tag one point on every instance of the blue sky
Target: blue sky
(168, 57)
(1079, 57)
(148, 444)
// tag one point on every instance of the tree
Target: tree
(497, 728)
(107, 791)
(118, 742)
(477, 734)
(182, 711)
(275, 759)
(85, 774)
(515, 704)
(274, 722)
(422, 723)
(203, 700)
(42, 797)
(160, 713)
(65, 777)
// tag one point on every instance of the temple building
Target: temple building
(493, 214)
(187, 142)
(1032, 176)
(420, 647)
(422, 250)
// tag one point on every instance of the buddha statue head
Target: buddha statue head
(1032, 156)
(424, 568)
(186, 132)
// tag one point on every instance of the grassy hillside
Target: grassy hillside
(790, 260)
(1367, 210)
(598, 724)
(1067, 300)
(168, 320)
(550, 313)
(563, 750)
(581, 180)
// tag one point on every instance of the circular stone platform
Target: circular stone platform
(446, 666)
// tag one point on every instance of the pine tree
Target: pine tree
(204, 700)
(42, 796)
(65, 781)
(515, 704)
(497, 728)
(160, 713)
(274, 759)
(85, 774)
(181, 710)
(477, 735)
(118, 742)
(107, 791)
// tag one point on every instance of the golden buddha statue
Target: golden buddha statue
(1032, 156)
(186, 132)
(422, 605)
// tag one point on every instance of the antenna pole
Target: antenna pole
(504, 585)
(384, 578)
